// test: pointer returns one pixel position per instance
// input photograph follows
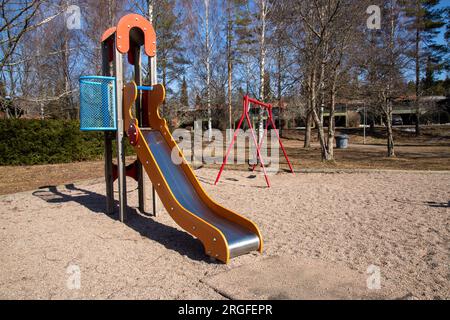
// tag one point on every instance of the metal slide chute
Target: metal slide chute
(223, 233)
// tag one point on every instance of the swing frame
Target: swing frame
(247, 102)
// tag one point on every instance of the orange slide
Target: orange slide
(224, 233)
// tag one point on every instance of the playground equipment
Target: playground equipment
(106, 104)
(247, 103)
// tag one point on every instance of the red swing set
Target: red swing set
(247, 103)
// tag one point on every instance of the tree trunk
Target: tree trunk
(12, 92)
(307, 143)
(417, 58)
(321, 135)
(279, 89)
(208, 70)
(331, 124)
(322, 82)
(390, 139)
(230, 65)
(309, 117)
(389, 131)
(71, 114)
(319, 98)
(388, 96)
(262, 62)
(164, 83)
(152, 62)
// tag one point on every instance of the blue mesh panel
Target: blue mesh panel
(98, 103)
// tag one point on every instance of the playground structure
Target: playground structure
(247, 104)
(106, 104)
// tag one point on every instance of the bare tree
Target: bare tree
(17, 18)
(205, 33)
(319, 19)
(386, 59)
(22, 22)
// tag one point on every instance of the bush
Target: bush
(25, 142)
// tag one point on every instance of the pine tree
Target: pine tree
(428, 80)
(184, 97)
(426, 21)
(245, 40)
(447, 24)
(198, 102)
(237, 35)
(171, 60)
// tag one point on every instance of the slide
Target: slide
(223, 233)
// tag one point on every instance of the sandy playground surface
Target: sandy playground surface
(396, 221)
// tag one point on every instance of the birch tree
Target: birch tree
(208, 68)
(229, 31)
(264, 7)
(386, 59)
(319, 19)
(204, 31)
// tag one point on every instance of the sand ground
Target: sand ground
(398, 221)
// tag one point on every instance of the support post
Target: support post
(365, 121)
(346, 116)
(106, 71)
(153, 80)
(139, 115)
(154, 200)
(279, 141)
(229, 149)
(109, 174)
(118, 63)
(245, 115)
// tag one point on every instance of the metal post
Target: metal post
(153, 80)
(118, 64)
(109, 174)
(365, 125)
(241, 120)
(245, 116)
(346, 116)
(272, 123)
(139, 115)
(279, 141)
(106, 71)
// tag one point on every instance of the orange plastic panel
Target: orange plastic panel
(108, 33)
(124, 27)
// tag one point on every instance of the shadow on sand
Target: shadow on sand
(169, 237)
(434, 204)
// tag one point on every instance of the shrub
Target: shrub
(26, 142)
